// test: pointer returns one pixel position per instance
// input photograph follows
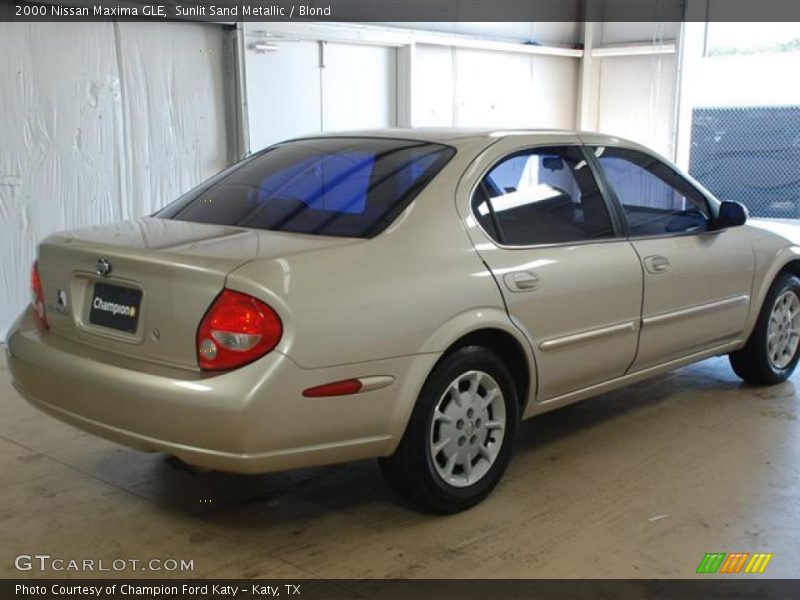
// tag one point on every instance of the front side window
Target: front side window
(655, 199)
(542, 196)
(352, 187)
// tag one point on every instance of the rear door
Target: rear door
(696, 281)
(570, 282)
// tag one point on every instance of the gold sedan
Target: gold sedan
(406, 295)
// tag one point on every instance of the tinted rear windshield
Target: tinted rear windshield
(353, 187)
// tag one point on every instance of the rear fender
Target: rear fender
(436, 346)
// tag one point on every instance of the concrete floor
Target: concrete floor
(637, 483)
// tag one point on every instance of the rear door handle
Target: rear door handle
(521, 281)
(657, 264)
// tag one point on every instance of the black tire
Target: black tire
(752, 363)
(411, 472)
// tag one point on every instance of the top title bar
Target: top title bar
(404, 10)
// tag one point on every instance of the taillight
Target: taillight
(236, 330)
(37, 295)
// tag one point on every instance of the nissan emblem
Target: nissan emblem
(103, 267)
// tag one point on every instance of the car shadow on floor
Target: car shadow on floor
(710, 377)
(303, 494)
(203, 494)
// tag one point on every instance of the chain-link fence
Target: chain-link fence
(750, 155)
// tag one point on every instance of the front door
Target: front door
(696, 281)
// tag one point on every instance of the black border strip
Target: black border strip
(407, 10)
(397, 589)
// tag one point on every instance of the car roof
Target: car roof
(456, 136)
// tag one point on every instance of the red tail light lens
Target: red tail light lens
(236, 330)
(37, 295)
(336, 388)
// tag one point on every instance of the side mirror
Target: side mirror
(731, 214)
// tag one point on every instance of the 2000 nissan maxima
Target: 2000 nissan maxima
(399, 294)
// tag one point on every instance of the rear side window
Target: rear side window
(352, 187)
(542, 196)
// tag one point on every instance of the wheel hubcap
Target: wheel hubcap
(783, 332)
(467, 429)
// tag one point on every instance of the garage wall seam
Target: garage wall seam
(122, 118)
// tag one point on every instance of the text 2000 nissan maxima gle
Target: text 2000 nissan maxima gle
(407, 295)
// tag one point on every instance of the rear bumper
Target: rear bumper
(251, 420)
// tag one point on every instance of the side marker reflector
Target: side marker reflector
(336, 388)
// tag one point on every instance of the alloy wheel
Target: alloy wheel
(467, 429)
(783, 331)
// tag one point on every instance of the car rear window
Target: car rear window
(353, 187)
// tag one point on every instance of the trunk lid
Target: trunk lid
(163, 276)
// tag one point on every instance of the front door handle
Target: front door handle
(657, 264)
(521, 281)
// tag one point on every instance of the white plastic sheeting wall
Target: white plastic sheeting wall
(477, 88)
(99, 122)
